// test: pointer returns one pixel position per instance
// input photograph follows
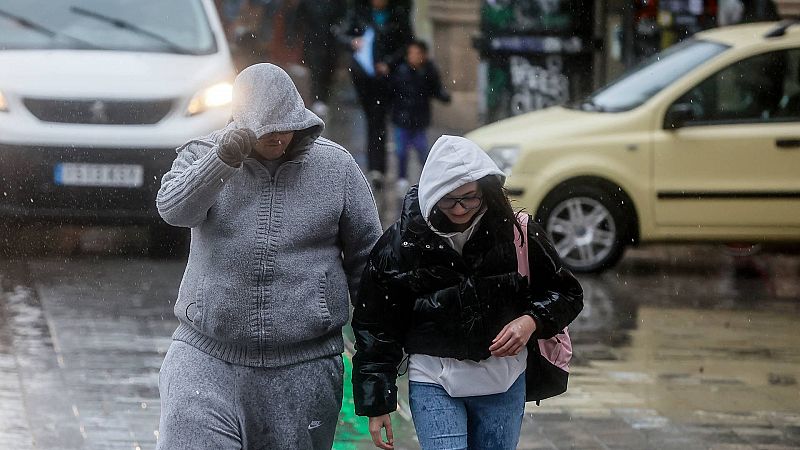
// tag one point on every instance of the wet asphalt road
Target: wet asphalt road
(680, 347)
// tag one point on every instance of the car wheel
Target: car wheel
(168, 241)
(587, 226)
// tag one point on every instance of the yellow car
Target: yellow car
(699, 143)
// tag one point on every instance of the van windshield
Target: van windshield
(651, 76)
(174, 26)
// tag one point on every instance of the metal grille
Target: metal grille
(99, 112)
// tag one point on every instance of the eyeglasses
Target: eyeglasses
(467, 203)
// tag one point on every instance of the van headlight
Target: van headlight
(3, 102)
(504, 156)
(220, 94)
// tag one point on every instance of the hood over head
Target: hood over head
(453, 162)
(266, 100)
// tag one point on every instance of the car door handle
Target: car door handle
(788, 143)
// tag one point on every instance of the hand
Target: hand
(357, 43)
(375, 425)
(236, 145)
(513, 337)
(382, 69)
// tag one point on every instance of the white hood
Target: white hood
(453, 162)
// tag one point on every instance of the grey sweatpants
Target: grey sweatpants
(207, 403)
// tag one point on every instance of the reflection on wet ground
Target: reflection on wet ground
(691, 347)
(678, 347)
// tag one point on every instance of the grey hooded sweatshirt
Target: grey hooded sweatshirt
(272, 257)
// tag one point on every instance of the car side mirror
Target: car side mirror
(677, 115)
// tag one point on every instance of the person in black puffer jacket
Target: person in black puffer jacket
(442, 285)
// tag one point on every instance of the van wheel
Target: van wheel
(168, 242)
(587, 225)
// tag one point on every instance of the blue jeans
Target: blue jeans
(405, 138)
(483, 422)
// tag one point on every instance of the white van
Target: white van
(95, 95)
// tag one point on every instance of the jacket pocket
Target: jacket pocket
(324, 311)
(302, 312)
(222, 310)
(195, 314)
(189, 306)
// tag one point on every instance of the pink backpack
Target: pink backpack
(548, 369)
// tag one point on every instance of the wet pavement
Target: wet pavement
(678, 347)
(682, 347)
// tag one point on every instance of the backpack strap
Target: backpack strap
(523, 265)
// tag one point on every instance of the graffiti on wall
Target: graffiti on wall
(537, 86)
(535, 53)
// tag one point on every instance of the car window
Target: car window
(762, 88)
(175, 26)
(652, 75)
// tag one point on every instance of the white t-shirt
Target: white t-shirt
(467, 378)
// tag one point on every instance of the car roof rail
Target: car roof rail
(781, 28)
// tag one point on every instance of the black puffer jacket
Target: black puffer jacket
(413, 90)
(419, 295)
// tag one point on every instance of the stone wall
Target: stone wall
(455, 23)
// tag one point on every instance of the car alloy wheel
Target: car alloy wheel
(584, 232)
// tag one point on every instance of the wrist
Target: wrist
(530, 322)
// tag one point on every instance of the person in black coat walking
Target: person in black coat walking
(377, 33)
(414, 83)
(319, 21)
(442, 285)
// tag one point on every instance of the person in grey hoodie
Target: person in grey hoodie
(282, 222)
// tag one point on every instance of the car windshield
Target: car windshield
(175, 26)
(651, 76)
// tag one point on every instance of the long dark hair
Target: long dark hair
(495, 198)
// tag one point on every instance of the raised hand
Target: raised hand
(235, 145)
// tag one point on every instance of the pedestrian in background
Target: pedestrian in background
(377, 33)
(318, 21)
(413, 84)
(282, 222)
(253, 42)
(442, 285)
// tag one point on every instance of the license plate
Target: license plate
(104, 175)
